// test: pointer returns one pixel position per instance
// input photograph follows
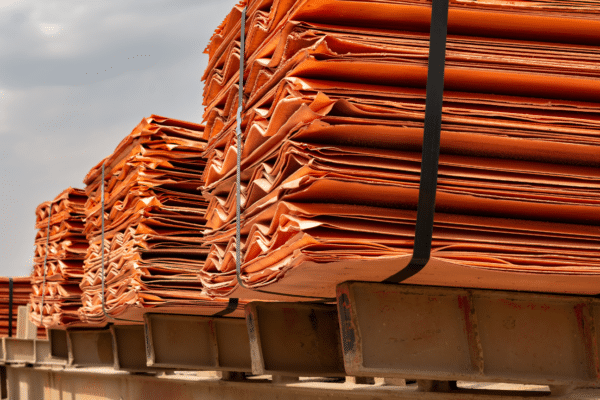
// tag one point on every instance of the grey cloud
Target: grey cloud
(108, 41)
(67, 101)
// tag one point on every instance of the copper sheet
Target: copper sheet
(21, 297)
(154, 221)
(64, 256)
(332, 128)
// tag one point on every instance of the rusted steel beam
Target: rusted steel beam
(298, 339)
(449, 334)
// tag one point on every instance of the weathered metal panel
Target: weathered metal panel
(25, 328)
(299, 339)
(43, 355)
(233, 345)
(90, 347)
(197, 342)
(477, 335)
(102, 384)
(58, 344)
(179, 341)
(129, 347)
(19, 350)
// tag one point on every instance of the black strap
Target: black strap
(10, 306)
(431, 143)
(231, 307)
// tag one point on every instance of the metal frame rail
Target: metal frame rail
(77, 384)
(395, 333)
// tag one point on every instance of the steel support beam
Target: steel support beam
(90, 348)
(298, 339)
(43, 355)
(129, 348)
(449, 334)
(27, 351)
(58, 344)
(19, 351)
(25, 328)
(98, 383)
(197, 342)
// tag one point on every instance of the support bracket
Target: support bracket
(298, 339)
(450, 334)
(197, 342)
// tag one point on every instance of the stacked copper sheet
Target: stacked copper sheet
(154, 217)
(20, 297)
(60, 247)
(332, 126)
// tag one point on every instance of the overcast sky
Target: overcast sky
(75, 78)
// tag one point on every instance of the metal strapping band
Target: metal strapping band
(10, 307)
(233, 302)
(232, 305)
(102, 243)
(238, 195)
(45, 269)
(238, 132)
(431, 143)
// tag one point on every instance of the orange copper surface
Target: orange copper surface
(21, 297)
(332, 125)
(154, 220)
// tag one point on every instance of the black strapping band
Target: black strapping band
(431, 143)
(238, 260)
(10, 307)
(231, 307)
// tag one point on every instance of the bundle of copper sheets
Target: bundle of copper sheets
(61, 252)
(154, 217)
(332, 126)
(20, 297)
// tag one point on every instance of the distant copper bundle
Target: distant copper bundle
(60, 247)
(154, 218)
(20, 297)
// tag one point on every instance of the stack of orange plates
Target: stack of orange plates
(154, 218)
(60, 252)
(332, 126)
(21, 293)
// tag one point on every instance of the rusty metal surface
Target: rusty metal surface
(19, 350)
(90, 347)
(25, 328)
(233, 344)
(197, 342)
(43, 354)
(102, 384)
(295, 339)
(58, 344)
(477, 335)
(129, 347)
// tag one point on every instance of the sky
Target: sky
(75, 78)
